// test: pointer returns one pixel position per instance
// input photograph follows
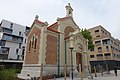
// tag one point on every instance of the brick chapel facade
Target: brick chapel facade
(49, 45)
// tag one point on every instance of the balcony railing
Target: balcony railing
(4, 52)
(99, 57)
(97, 44)
(99, 51)
(107, 58)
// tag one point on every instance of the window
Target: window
(6, 30)
(19, 45)
(32, 41)
(25, 40)
(35, 43)
(18, 57)
(107, 54)
(107, 47)
(29, 45)
(11, 25)
(97, 43)
(99, 55)
(91, 56)
(98, 36)
(2, 43)
(99, 49)
(16, 51)
(106, 41)
(4, 50)
(96, 31)
(19, 33)
(92, 49)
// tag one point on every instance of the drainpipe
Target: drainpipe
(58, 54)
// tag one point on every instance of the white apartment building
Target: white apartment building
(12, 40)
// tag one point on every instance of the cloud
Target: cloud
(87, 13)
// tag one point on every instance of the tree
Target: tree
(87, 35)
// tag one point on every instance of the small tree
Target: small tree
(87, 35)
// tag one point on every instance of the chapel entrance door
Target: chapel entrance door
(78, 59)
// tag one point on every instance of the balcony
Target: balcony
(97, 44)
(107, 56)
(99, 51)
(6, 30)
(12, 38)
(107, 50)
(99, 56)
(4, 52)
(3, 56)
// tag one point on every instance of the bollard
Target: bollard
(41, 73)
(95, 71)
(65, 72)
(80, 71)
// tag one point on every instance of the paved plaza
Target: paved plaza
(105, 76)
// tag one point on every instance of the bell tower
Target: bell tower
(69, 10)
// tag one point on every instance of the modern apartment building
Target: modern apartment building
(12, 40)
(106, 49)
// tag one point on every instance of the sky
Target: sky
(86, 13)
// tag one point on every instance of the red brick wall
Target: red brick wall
(51, 54)
(33, 54)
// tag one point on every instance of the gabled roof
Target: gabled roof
(53, 25)
(35, 22)
(52, 30)
(38, 22)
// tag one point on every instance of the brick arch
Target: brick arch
(67, 31)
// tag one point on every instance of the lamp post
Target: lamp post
(71, 49)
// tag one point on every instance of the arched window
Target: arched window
(29, 45)
(32, 41)
(35, 43)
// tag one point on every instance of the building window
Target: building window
(11, 25)
(106, 41)
(107, 47)
(29, 45)
(18, 57)
(19, 45)
(35, 43)
(17, 51)
(96, 31)
(92, 49)
(91, 56)
(98, 36)
(98, 43)
(2, 43)
(99, 55)
(99, 49)
(4, 50)
(19, 33)
(107, 56)
(25, 40)
(32, 41)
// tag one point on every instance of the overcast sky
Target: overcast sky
(86, 13)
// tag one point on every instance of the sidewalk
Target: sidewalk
(105, 76)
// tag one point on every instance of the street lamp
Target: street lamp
(71, 49)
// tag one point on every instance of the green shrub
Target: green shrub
(8, 74)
